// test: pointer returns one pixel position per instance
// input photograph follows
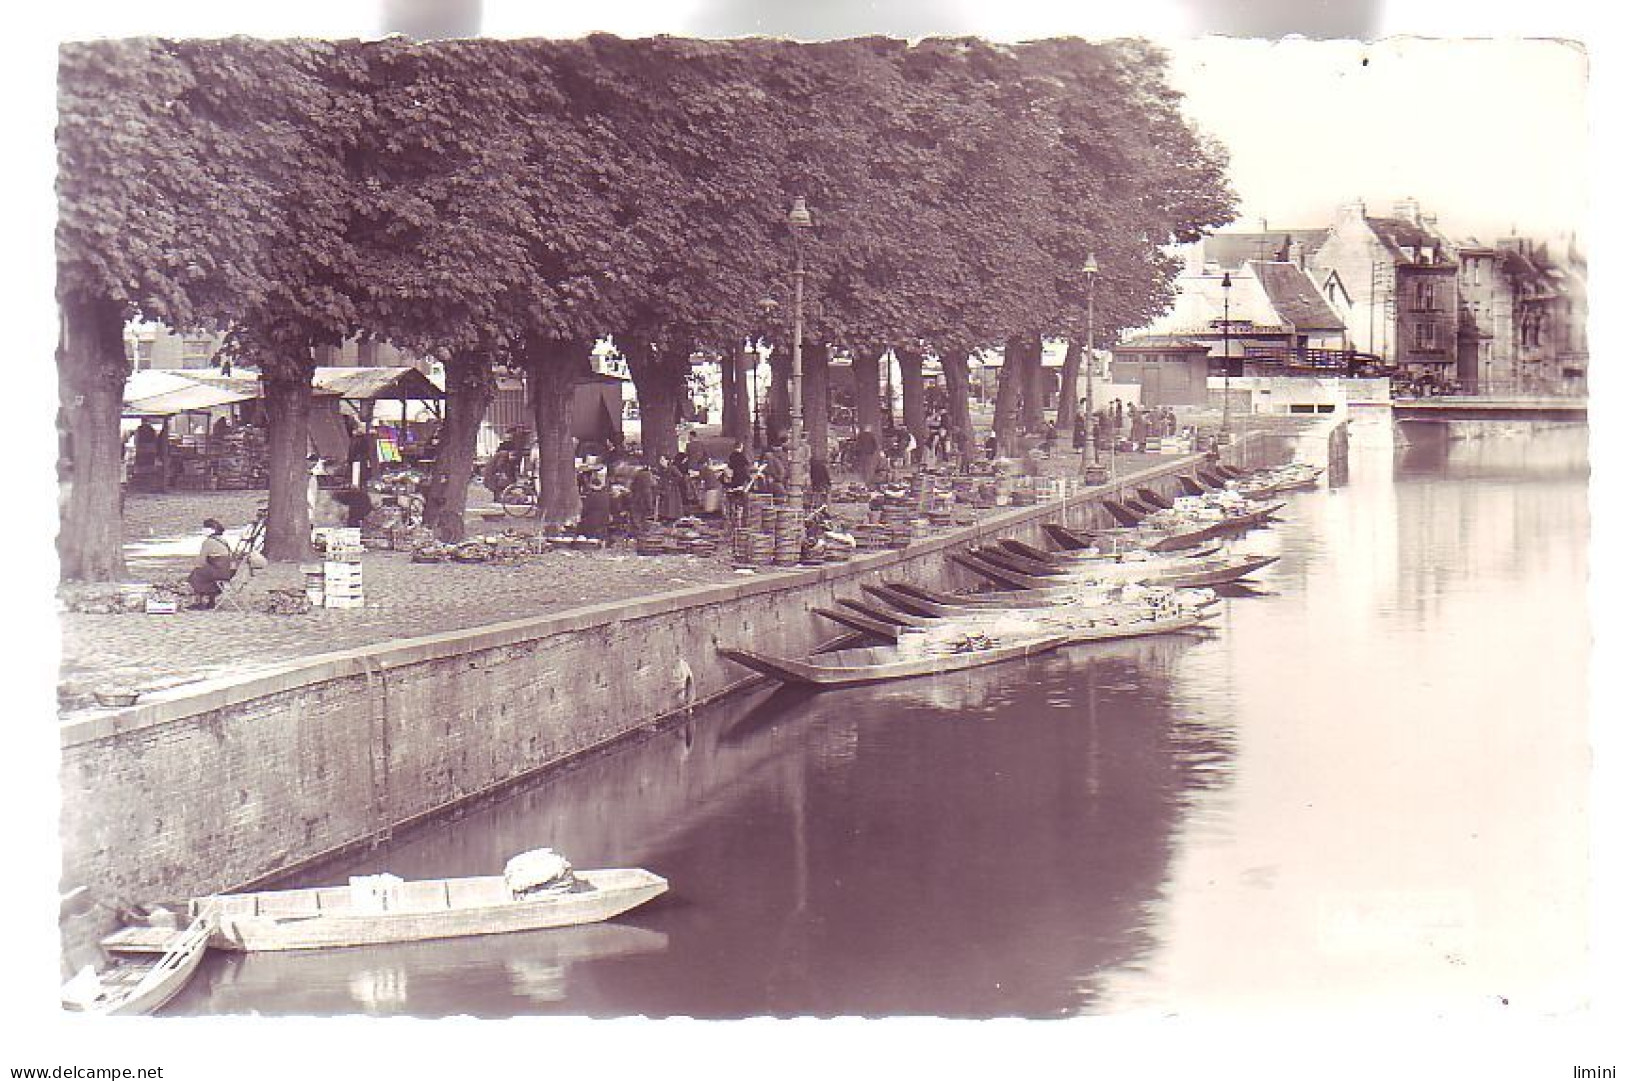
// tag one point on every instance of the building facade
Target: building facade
(150, 345)
(1400, 276)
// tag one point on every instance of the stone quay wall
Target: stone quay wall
(225, 784)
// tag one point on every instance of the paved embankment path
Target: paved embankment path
(404, 599)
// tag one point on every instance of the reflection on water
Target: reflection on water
(514, 972)
(1362, 790)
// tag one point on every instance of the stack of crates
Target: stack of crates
(787, 535)
(750, 547)
(342, 585)
(898, 518)
(871, 536)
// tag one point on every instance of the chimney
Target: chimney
(1294, 251)
(1352, 212)
(1408, 210)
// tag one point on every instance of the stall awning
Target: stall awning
(370, 384)
(165, 397)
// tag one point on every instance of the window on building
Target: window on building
(196, 352)
(1425, 295)
(1425, 336)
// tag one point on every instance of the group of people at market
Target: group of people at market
(1126, 426)
(617, 490)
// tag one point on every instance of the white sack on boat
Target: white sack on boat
(536, 869)
(375, 893)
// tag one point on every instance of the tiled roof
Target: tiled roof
(1398, 234)
(1293, 294)
(1231, 250)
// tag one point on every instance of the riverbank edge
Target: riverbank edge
(228, 783)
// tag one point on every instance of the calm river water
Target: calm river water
(1367, 789)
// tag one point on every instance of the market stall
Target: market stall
(186, 432)
(365, 417)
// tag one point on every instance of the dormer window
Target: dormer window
(1427, 255)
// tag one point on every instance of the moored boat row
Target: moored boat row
(1145, 577)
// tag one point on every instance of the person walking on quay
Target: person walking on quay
(214, 567)
(641, 502)
(1136, 431)
(669, 492)
(776, 469)
(818, 480)
(738, 466)
(867, 448)
(596, 508)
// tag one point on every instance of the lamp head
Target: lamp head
(1225, 284)
(1090, 267)
(800, 216)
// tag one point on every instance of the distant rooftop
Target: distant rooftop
(1231, 250)
(1294, 297)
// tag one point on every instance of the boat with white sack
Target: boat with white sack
(538, 889)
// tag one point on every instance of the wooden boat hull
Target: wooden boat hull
(806, 673)
(142, 988)
(1232, 571)
(1154, 498)
(321, 918)
(1203, 573)
(1124, 514)
(1082, 561)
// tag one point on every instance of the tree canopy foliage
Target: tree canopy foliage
(508, 202)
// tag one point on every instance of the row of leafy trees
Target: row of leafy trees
(507, 203)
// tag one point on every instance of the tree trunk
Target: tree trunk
(287, 422)
(777, 421)
(661, 378)
(91, 369)
(1032, 386)
(1007, 403)
(956, 379)
(910, 367)
(1066, 404)
(468, 395)
(552, 367)
(815, 399)
(866, 388)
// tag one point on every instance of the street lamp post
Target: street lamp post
(1093, 471)
(800, 218)
(1224, 417)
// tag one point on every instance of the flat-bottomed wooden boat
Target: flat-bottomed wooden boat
(150, 967)
(327, 917)
(852, 667)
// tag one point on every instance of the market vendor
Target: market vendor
(357, 505)
(596, 508)
(214, 568)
